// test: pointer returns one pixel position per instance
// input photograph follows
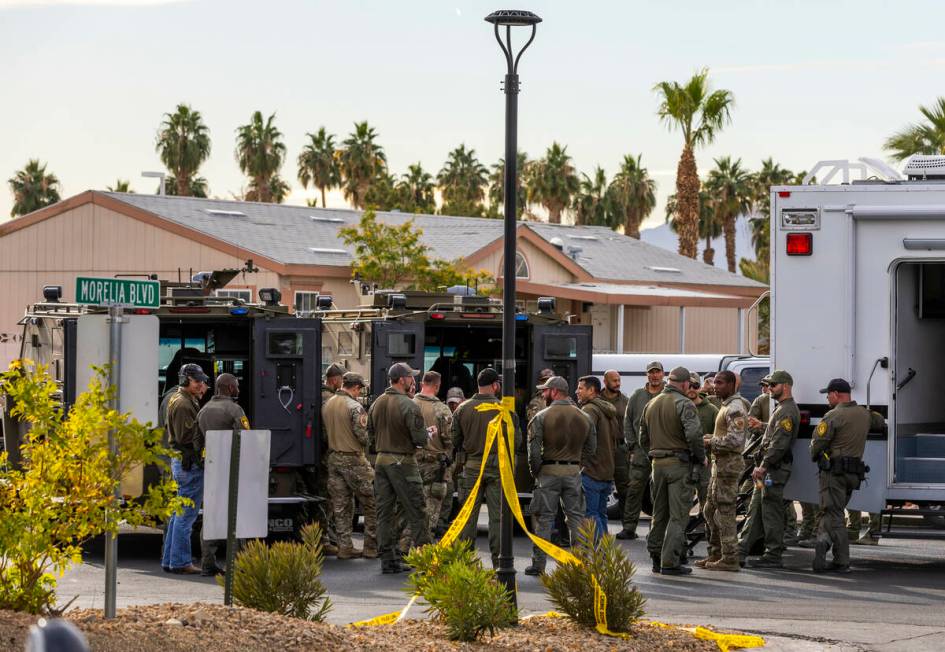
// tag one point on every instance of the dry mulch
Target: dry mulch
(172, 627)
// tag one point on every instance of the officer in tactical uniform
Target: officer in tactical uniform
(726, 443)
(766, 510)
(612, 394)
(598, 474)
(395, 426)
(469, 438)
(454, 397)
(561, 439)
(837, 449)
(707, 413)
(317, 482)
(537, 404)
(434, 458)
(639, 462)
(350, 475)
(670, 432)
(221, 412)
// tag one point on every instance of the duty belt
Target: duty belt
(660, 453)
(546, 462)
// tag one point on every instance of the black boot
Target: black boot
(391, 567)
(656, 563)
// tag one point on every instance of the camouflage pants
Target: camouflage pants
(636, 487)
(672, 500)
(549, 492)
(397, 483)
(835, 492)
(720, 506)
(434, 492)
(349, 477)
(765, 519)
(855, 524)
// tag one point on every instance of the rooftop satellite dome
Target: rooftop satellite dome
(921, 167)
(557, 242)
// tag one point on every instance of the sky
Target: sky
(84, 84)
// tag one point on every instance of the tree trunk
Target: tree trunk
(708, 254)
(324, 205)
(632, 225)
(554, 215)
(687, 202)
(729, 228)
(183, 185)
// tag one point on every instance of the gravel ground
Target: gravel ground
(199, 626)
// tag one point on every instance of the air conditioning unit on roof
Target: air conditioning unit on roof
(921, 167)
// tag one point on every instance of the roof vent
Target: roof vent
(325, 250)
(921, 167)
(573, 252)
(583, 237)
(558, 243)
(665, 270)
(334, 220)
(223, 213)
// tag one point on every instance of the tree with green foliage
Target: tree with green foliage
(275, 191)
(497, 187)
(732, 190)
(699, 113)
(924, 138)
(462, 180)
(633, 193)
(709, 226)
(33, 188)
(361, 161)
(121, 185)
(770, 174)
(61, 493)
(260, 153)
(183, 144)
(415, 191)
(593, 205)
(197, 187)
(382, 194)
(552, 182)
(318, 163)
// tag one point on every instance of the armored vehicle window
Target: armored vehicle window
(560, 347)
(284, 343)
(401, 345)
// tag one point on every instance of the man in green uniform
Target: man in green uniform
(670, 432)
(395, 426)
(766, 510)
(612, 394)
(837, 449)
(185, 437)
(537, 403)
(221, 412)
(316, 479)
(469, 439)
(454, 397)
(726, 443)
(350, 475)
(639, 462)
(707, 413)
(561, 439)
(597, 476)
(434, 458)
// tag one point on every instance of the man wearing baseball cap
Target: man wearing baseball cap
(639, 462)
(395, 425)
(469, 440)
(537, 404)
(837, 448)
(454, 396)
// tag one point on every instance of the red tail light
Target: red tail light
(800, 244)
(783, 194)
(437, 315)
(805, 417)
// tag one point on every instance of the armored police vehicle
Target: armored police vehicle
(858, 292)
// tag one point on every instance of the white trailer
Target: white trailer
(858, 292)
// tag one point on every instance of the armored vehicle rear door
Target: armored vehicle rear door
(286, 387)
(564, 348)
(394, 341)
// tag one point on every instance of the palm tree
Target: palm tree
(416, 190)
(197, 188)
(33, 188)
(275, 191)
(121, 185)
(731, 188)
(462, 182)
(497, 186)
(183, 144)
(709, 227)
(634, 194)
(382, 194)
(593, 205)
(318, 163)
(552, 182)
(700, 115)
(924, 138)
(260, 153)
(770, 174)
(360, 161)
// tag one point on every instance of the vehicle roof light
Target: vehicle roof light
(437, 315)
(800, 244)
(239, 311)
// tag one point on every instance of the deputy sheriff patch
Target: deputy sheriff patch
(821, 428)
(362, 420)
(787, 424)
(244, 422)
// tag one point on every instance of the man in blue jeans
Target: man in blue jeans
(184, 436)
(597, 476)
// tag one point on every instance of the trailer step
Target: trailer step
(929, 444)
(921, 469)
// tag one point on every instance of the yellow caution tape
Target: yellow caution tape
(725, 642)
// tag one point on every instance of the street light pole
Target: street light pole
(509, 19)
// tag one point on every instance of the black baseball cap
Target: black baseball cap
(837, 385)
(488, 376)
(193, 371)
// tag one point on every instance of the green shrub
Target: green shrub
(283, 578)
(571, 589)
(460, 593)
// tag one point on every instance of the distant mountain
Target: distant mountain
(662, 236)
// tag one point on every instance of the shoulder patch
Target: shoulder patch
(821, 428)
(740, 423)
(244, 422)
(787, 424)
(362, 419)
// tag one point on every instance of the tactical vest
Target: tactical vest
(564, 431)
(336, 415)
(663, 424)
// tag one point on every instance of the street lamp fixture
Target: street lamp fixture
(156, 175)
(508, 19)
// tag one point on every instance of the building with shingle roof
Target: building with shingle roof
(639, 297)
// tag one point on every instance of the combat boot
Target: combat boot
(676, 570)
(369, 552)
(391, 567)
(707, 560)
(656, 563)
(820, 555)
(329, 549)
(765, 562)
(534, 570)
(627, 535)
(349, 553)
(723, 565)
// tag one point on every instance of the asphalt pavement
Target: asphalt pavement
(893, 599)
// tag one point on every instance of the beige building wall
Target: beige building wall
(655, 329)
(542, 268)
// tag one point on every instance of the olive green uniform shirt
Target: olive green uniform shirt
(670, 423)
(395, 424)
(469, 430)
(842, 432)
(707, 413)
(780, 435)
(560, 433)
(636, 403)
(346, 421)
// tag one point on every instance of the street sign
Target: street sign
(132, 293)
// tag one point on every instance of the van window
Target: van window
(751, 376)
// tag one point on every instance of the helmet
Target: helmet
(191, 371)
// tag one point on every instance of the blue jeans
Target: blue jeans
(596, 494)
(177, 537)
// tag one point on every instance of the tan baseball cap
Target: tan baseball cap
(679, 375)
(555, 382)
(656, 364)
(400, 370)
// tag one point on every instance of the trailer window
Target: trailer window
(560, 347)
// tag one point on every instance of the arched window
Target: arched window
(521, 266)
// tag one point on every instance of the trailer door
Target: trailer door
(286, 396)
(394, 341)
